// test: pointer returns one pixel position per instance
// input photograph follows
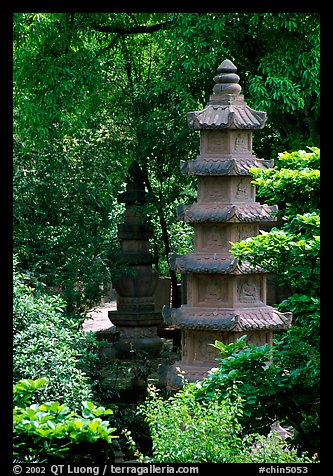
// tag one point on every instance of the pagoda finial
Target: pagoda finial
(226, 81)
(134, 173)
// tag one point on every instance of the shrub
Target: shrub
(184, 430)
(279, 383)
(50, 431)
(47, 344)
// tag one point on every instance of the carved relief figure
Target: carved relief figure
(248, 291)
(205, 351)
(240, 143)
(213, 190)
(242, 189)
(215, 142)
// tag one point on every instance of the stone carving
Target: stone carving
(205, 352)
(227, 116)
(243, 232)
(214, 238)
(215, 144)
(241, 143)
(239, 319)
(248, 291)
(242, 189)
(224, 299)
(211, 291)
(221, 263)
(135, 317)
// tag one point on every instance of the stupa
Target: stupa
(135, 318)
(225, 299)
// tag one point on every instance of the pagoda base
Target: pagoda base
(138, 332)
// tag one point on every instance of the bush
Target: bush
(184, 430)
(275, 384)
(65, 215)
(49, 431)
(47, 344)
(289, 387)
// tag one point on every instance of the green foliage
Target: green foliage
(291, 252)
(142, 365)
(286, 83)
(185, 430)
(292, 255)
(51, 431)
(287, 388)
(62, 216)
(93, 91)
(57, 79)
(245, 366)
(275, 384)
(47, 344)
(272, 80)
(306, 314)
(294, 182)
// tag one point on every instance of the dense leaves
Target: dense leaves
(51, 431)
(187, 430)
(291, 252)
(279, 384)
(93, 91)
(47, 344)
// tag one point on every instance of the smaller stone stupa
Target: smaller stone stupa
(135, 317)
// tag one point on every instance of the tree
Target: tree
(94, 91)
(290, 252)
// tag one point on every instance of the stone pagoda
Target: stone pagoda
(224, 299)
(135, 318)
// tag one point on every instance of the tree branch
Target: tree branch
(121, 30)
(132, 30)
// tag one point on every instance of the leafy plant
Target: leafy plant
(291, 252)
(275, 384)
(141, 365)
(47, 343)
(294, 182)
(49, 431)
(185, 430)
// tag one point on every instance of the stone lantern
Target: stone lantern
(135, 318)
(224, 299)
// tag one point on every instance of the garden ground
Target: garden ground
(98, 317)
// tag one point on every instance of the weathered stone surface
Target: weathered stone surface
(230, 213)
(135, 318)
(233, 116)
(236, 320)
(227, 166)
(224, 299)
(217, 263)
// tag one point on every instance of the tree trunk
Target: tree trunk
(175, 298)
